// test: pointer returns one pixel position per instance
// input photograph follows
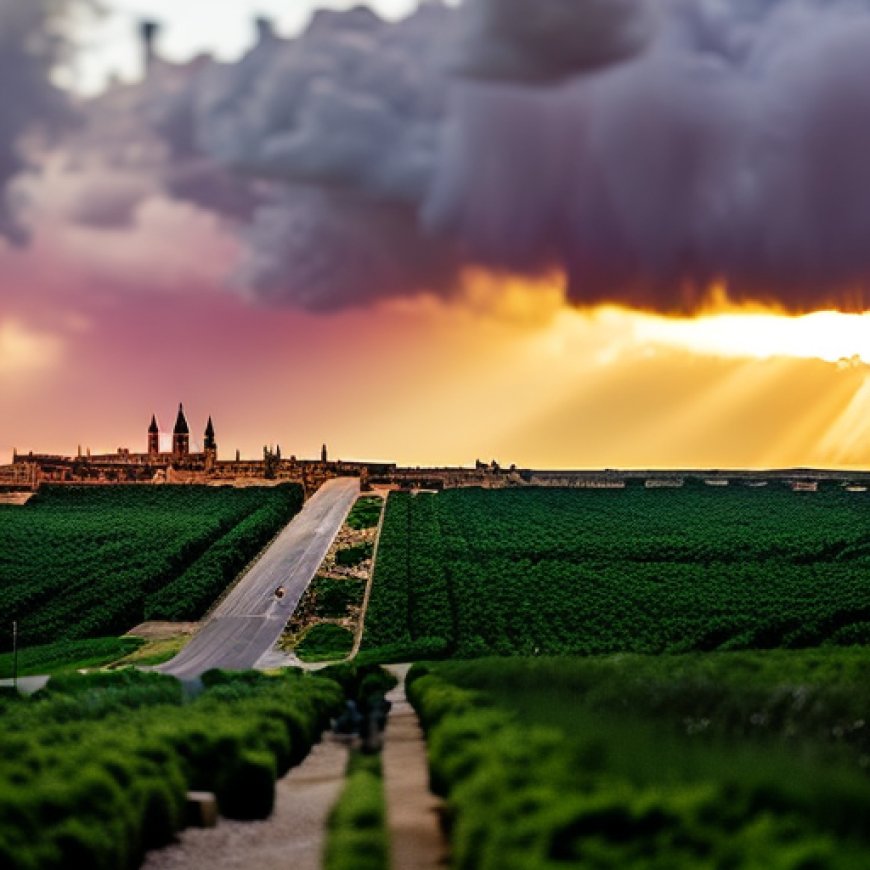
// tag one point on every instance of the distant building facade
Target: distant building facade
(180, 464)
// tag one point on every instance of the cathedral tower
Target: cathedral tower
(181, 435)
(153, 437)
(209, 445)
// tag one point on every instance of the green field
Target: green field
(699, 761)
(93, 561)
(94, 770)
(546, 571)
(67, 655)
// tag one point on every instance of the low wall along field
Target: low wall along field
(546, 571)
(84, 562)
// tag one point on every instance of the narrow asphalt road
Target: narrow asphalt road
(250, 620)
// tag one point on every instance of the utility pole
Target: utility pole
(15, 654)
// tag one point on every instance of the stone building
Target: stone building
(180, 464)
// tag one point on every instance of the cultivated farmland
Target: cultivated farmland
(694, 761)
(84, 562)
(95, 769)
(547, 571)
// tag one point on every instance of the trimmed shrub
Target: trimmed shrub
(349, 557)
(356, 830)
(366, 513)
(246, 787)
(333, 598)
(94, 770)
(325, 641)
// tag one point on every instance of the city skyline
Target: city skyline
(339, 267)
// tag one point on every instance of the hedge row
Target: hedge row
(193, 591)
(605, 794)
(357, 830)
(94, 770)
(84, 562)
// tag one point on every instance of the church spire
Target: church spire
(209, 444)
(153, 437)
(181, 435)
(181, 427)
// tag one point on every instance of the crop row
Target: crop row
(79, 563)
(534, 777)
(94, 770)
(548, 571)
(357, 827)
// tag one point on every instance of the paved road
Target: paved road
(250, 620)
(26, 685)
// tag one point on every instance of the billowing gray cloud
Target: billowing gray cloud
(647, 148)
(328, 249)
(355, 102)
(518, 40)
(733, 149)
(343, 130)
(30, 47)
(321, 149)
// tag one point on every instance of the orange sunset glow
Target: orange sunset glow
(507, 369)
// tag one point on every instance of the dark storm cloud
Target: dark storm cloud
(327, 249)
(516, 40)
(326, 145)
(30, 47)
(733, 149)
(648, 149)
(343, 129)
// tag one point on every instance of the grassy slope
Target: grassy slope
(66, 656)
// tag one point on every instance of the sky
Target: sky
(221, 27)
(616, 240)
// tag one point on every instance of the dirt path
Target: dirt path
(412, 810)
(292, 837)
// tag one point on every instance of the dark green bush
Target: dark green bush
(325, 641)
(530, 785)
(355, 555)
(366, 513)
(358, 680)
(246, 787)
(356, 830)
(333, 598)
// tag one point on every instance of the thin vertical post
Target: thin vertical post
(15, 653)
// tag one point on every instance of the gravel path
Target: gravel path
(292, 837)
(416, 842)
